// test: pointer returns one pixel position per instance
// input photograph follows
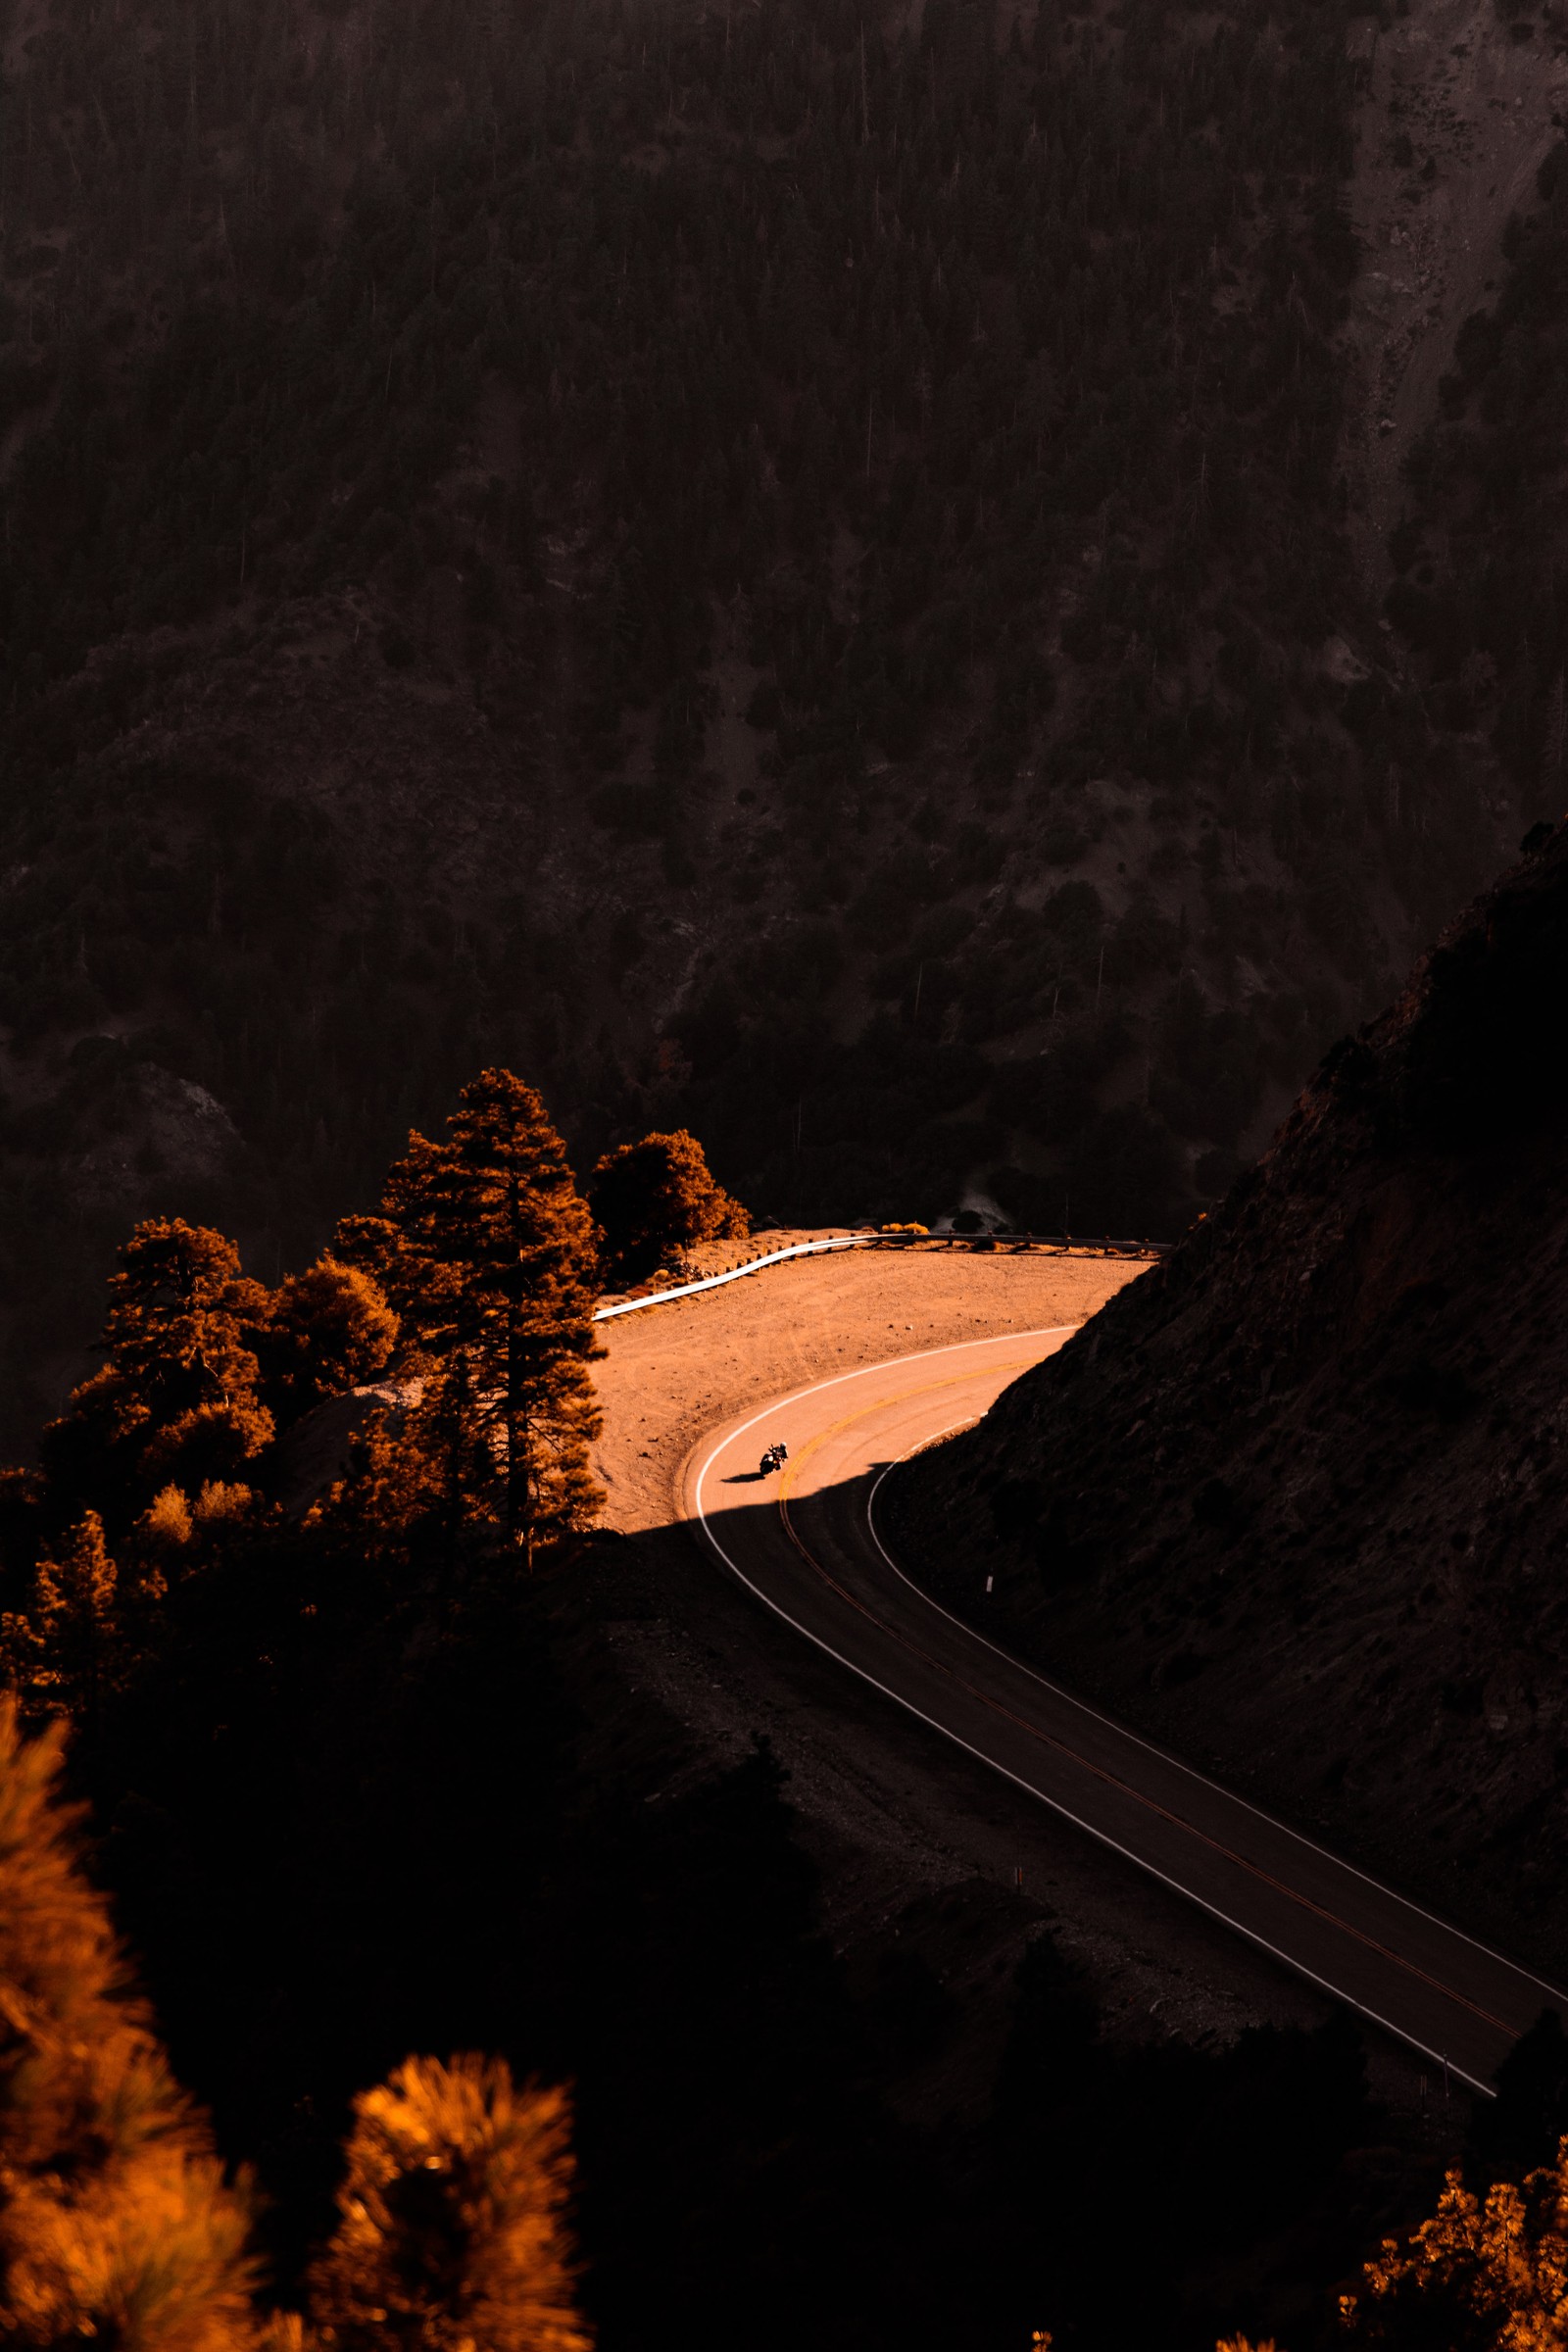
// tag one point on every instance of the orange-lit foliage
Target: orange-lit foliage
(115, 2221)
(426, 1470)
(167, 1522)
(1483, 2275)
(328, 1330)
(453, 2237)
(657, 1195)
(72, 1647)
(485, 1246)
(175, 1397)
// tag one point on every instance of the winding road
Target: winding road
(808, 1545)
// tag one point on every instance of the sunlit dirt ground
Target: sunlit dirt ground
(674, 1372)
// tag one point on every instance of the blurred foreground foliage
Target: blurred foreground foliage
(116, 2221)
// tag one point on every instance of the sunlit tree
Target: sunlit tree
(70, 1648)
(451, 2234)
(660, 1194)
(115, 2224)
(328, 1330)
(175, 1398)
(486, 1249)
(1483, 2274)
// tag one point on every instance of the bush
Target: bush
(656, 1195)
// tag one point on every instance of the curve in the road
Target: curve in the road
(812, 1553)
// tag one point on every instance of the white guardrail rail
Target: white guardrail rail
(754, 1265)
(882, 1241)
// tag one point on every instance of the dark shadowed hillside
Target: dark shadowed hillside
(1299, 1496)
(783, 569)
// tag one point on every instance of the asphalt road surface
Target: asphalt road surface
(807, 1544)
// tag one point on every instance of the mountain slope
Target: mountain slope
(1299, 1496)
(785, 568)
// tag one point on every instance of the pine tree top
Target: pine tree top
(488, 1210)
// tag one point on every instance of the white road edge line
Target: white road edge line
(1297, 1967)
(1191, 1771)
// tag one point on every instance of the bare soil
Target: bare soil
(676, 1371)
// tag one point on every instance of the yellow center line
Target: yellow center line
(955, 1380)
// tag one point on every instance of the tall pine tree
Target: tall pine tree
(175, 1397)
(486, 1249)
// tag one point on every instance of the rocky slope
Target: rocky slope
(1298, 1498)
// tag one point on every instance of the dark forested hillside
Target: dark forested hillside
(1295, 1496)
(777, 565)
(1480, 593)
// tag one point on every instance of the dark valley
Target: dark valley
(792, 572)
(908, 614)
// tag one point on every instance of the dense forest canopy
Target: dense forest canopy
(771, 564)
(1481, 589)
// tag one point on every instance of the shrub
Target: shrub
(656, 1195)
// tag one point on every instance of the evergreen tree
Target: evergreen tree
(69, 1651)
(660, 1194)
(115, 2220)
(175, 1397)
(116, 2223)
(452, 2236)
(326, 1331)
(486, 1248)
(416, 1481)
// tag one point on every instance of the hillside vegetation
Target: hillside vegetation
(780, 567)
(1480, 594)
(1296, 1495)
(372, 1768)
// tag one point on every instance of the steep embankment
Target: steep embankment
(1299, 1496)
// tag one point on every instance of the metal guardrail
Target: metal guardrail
(1062, 1244)
(754, 1265)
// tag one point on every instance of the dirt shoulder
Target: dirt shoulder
(674, 1372)
(922, 1849)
